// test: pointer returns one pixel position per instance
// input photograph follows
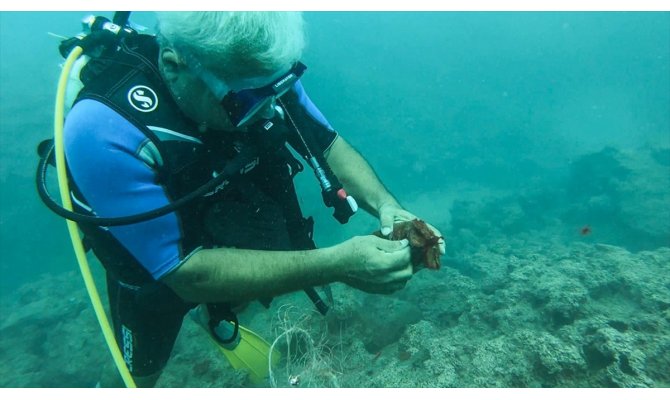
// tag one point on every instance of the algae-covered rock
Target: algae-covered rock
(422, 359)
(557, 360)
(616, 358)
(563, 299)
(384, 319)
(500, 362)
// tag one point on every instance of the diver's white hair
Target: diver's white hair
(235, 44)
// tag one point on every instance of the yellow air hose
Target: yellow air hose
(77, 244)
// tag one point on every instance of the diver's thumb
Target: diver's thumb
(391, 246)
(386, 220)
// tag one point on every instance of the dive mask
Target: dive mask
(242, 105)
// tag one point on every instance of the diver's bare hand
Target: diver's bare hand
(375, 265)
(390, 213)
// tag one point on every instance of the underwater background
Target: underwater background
(537, 142)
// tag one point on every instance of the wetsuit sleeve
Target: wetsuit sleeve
(103, 154)
(308, 117)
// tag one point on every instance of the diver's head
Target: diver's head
(238, 60)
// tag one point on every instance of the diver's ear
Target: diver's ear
(170, 64)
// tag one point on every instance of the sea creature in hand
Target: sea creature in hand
(422, 240)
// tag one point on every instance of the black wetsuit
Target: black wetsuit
(129, 150)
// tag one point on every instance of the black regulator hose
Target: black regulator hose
(230, 171)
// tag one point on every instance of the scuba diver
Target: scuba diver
(180, 149)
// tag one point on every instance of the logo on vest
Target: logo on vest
(225, 183)
(143, 98)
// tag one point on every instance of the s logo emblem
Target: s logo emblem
(143, 98)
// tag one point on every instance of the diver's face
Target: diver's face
(191, 94)
(195, 99)
(198, 102)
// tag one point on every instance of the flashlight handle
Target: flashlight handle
(320, 175)
(334, 196)
(345, 206)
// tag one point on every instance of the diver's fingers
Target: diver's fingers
(387, 214)
(390, 214)
(390, 246)
(403, 215)
(396, 259)
(401, 275)
(441, 244)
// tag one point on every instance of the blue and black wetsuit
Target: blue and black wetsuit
(129, 150)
